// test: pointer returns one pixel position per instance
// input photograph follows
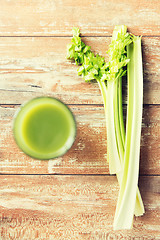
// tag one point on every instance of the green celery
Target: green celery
(108, 99)
(128, 188)
(120, 109)
(109, 78)
(113, 148)
(117, 60)
(119, 36)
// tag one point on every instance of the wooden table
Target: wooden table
(72, 197)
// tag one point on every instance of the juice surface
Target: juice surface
(44, 128)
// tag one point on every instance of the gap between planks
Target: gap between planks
(70, 36)
(8, 105)
(72, 174)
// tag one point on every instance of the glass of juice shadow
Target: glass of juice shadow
(44, 128)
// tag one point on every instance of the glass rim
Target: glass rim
(51, 155)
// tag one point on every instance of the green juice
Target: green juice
(44, 128)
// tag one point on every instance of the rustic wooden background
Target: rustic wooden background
(72, 197)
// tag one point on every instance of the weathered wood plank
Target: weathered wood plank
(88, 154)
(94, 17)
(72, 207)
(32, 67)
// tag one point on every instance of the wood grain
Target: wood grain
(72, 207)
(76, 198)
(94, 17)
(89, 153)
(31, 67)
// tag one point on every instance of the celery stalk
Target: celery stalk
(118, 124)
(103, 88)
(109, 77)
(113, 148)
(139, 208)
(128, 188)
(121, 122)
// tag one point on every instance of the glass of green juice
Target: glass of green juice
(44, 128)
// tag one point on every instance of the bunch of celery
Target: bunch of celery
(122, 148)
